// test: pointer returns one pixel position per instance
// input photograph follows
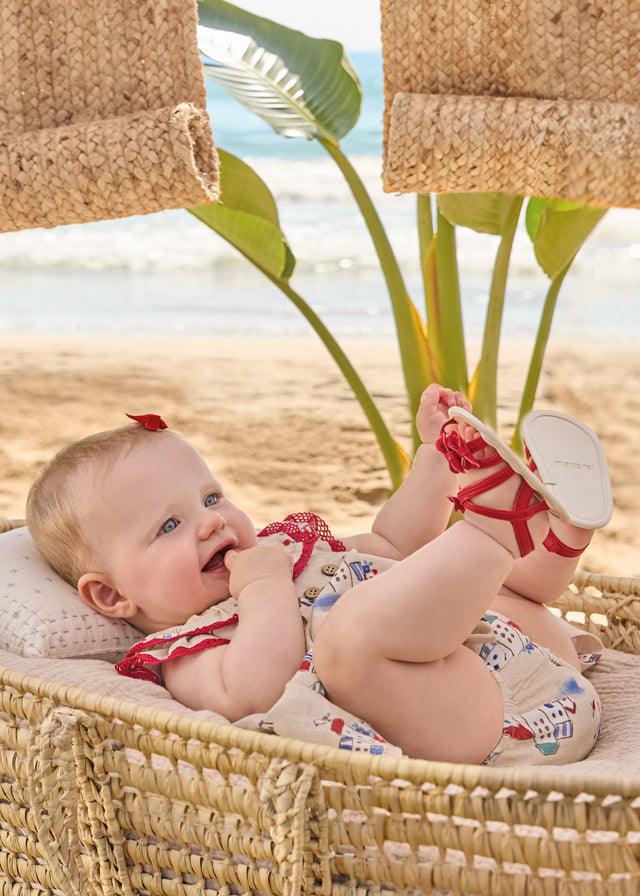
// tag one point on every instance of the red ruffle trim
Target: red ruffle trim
(133, 664)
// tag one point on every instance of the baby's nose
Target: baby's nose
(211, 523)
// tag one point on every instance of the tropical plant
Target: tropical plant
(306, 87)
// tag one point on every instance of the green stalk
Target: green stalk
(409, 325)
(396, 459)
(537, 356)
(485, 381)
(454, 358)
(427, 246)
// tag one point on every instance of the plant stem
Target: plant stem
(396, 459)
(427, 246)
(485, 386)
(409, 325)
(454, 358)
(537, 356)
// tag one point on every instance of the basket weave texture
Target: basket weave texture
(528, 98)
(103, 797)
(102, 111)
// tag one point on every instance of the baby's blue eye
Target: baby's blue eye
(208, 503)
(169, 525)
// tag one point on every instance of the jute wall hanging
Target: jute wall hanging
(102, 111)
(536, 98)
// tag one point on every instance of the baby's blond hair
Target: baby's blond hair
(58, 501)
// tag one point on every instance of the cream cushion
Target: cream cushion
(44, 616)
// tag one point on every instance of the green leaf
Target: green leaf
(533, 216)
(301, 86)
(562, 227)
(247, 217)
(484, 212)
(536, 207)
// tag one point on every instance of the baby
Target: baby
(437, 637)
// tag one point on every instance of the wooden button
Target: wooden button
(312, 592)
(330, 569)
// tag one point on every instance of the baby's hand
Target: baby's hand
(434, 410)
(262, 561)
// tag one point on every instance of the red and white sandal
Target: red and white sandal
(571, 476)
(460, 456)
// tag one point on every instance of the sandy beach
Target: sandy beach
(279, 425)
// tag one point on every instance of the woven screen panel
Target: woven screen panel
(102, 111)
(536, 98)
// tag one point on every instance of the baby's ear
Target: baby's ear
(96, 591)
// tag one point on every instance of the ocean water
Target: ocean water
(167, 274)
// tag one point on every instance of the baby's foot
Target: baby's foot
(502, 497)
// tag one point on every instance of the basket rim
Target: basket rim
(359, 766)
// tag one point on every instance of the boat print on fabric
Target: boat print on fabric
(589, 658)
(546, 725)
(307, 666)
(354, 735)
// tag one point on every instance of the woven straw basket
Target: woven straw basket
(207, 806)
(102, 111)
(534, 97)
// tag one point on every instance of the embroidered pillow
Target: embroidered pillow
(44, 616)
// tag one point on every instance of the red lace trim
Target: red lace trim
(307, 528)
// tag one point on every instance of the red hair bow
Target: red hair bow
(149, 421)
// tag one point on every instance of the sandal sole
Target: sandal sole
(572, 464)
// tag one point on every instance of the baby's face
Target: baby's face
(161, 531)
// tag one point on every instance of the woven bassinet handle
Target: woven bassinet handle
(70, 800)
(133, 164)
(292, 795)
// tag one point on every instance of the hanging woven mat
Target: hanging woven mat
(102, 111)
(530, 98)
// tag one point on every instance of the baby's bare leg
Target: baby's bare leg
(450, 710)
(390, 649)
(542, 576)
(423, 607)
(426, 605)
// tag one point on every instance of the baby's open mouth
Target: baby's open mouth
(216, 561)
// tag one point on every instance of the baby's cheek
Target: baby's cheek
(245, 529)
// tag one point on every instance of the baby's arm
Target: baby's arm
(419, 510)
(249, 674)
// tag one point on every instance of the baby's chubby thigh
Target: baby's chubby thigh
(447, 710)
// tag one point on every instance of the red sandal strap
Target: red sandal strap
(553, 544)
(486, 484)
(521, 512)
